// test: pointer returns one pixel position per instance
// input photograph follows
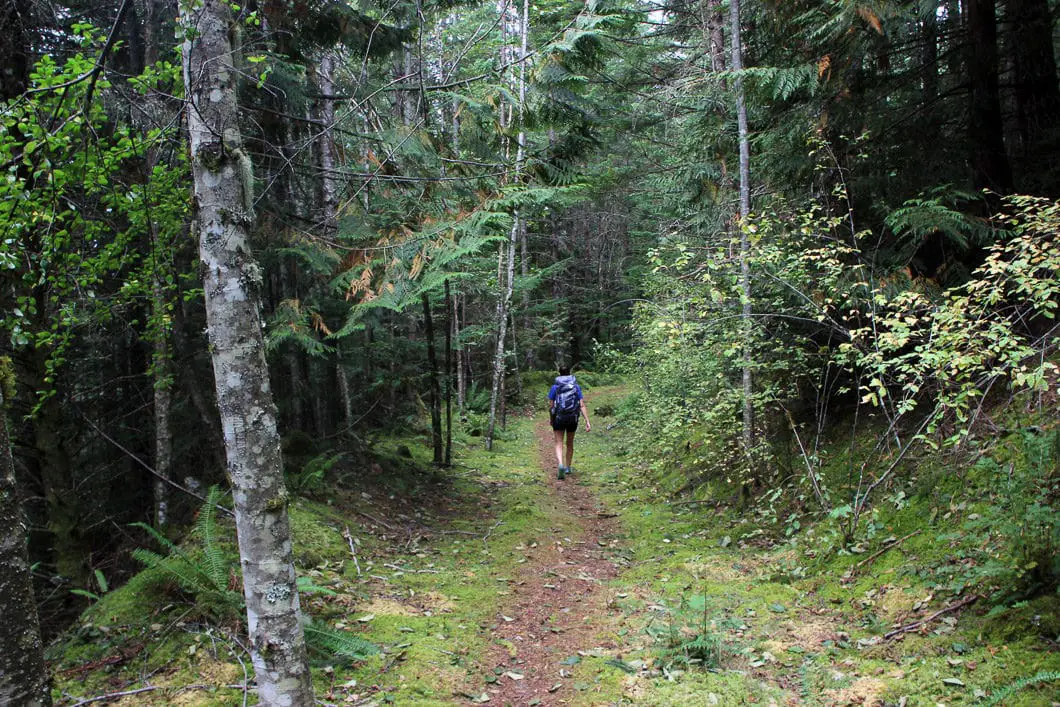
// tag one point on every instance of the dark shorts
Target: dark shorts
(567, 425)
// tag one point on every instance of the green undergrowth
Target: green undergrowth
(801, 613)
(714, 604)
(413, 559)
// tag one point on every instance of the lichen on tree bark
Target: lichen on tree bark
(231, 282)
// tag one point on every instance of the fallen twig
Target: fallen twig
(123, 693)
(879, 552)
(353, 550)
(372, 518)
(486, 537)
(243, 665)
(120, 657)
(925, 621)
(150, 688)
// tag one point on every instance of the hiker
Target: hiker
(565, 403)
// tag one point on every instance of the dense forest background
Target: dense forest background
(447, 197)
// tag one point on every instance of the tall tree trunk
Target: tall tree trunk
(318, 385)
(461, 355)
(990, 166)
(502, 398)
(503, 305)
(161, 365)
(344, 389)
(223, 192)
(929, 57)
(432, 371)
(713, 33)
(192, 384)
(325, 114)
(15, 57)
(61, 499)
(23, 672)
(507, 285)
(745, 210)
(293, 357)
(515, 357)
(1034, 61)
(450, 323)
(524, 270)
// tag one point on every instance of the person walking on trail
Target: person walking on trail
(565, 404)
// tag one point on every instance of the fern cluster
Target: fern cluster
(207, 576)
(202, 574)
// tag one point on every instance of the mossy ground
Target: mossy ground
(763, 619)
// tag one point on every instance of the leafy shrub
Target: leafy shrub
(1023, 515)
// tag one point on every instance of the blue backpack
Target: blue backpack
(566, 408)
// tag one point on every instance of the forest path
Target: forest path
(560, 599)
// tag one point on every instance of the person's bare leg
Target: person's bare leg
(559, 447)
(570, 448)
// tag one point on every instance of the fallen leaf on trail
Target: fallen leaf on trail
(514, 676)
(507, 618)
(956, 682)
(366, 618)
(555, 687)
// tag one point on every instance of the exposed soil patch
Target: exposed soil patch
(559, 597)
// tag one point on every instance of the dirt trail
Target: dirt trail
(559, 595)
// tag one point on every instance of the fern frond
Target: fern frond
(216, 569)
(338, 644)
(158, 537)
(937, 212)
(307, 586)
(1038, 678)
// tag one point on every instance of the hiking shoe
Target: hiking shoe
(561, 473)
(570, 471)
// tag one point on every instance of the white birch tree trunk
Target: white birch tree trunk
(507, 285)
(745, 210)
(223, 193)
